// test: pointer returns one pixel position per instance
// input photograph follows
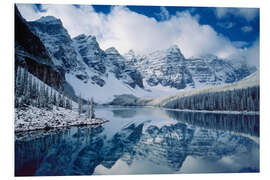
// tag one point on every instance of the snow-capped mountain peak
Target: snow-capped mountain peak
(87, 41)
(131, 56)
(174, 49)
(131, 52)
(49, 19)
(85, 63)
(112, 50)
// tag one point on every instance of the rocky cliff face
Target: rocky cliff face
(82, 56)
(170, 68)
(90, 52)
(56, 40)
(31, 54)
(121, 69)
(166, 68)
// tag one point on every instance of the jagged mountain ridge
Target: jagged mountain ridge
(85, 63)
(81, 55)
(170, 68)
(165, 67)
(56, 40)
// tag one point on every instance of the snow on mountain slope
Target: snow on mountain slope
(104, 94)
(169, 68)
(117, 64)
(165, 67)
(88, 68)
(56, 40)
(90, 52)
(81, 57)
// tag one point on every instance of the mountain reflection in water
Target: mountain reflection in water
(190, 143)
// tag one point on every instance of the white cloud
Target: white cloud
(29, 11)
(246, 28)
(248, 13)
(125, 30)
(240, 44)
(75, 20)
(164, 14)
(252, 54)
(226, 25)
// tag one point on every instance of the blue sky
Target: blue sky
(224, 32)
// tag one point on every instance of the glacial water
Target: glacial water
(143, 141)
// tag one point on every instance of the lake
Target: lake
(143, 140)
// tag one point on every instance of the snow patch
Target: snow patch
(33, 118)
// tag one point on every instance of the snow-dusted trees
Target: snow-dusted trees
(88, 112)
(235, 100)
(18, 82)
(68, 104)
(90, 109)
(61, 100)
(31, 91)
(80, 105)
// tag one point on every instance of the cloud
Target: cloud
(125, 30)
(77, 20)
(252, 54)
(240, 44)
(246, 28)
(164, 14)
(29, 11)
(247, 13)
(226, 25)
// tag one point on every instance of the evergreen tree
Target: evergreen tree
(28, 90)
(50, 99)
(80, 105)
(92, 111)
(18, 82)
(88, 109)
(59, 100)
(18, 86)
(55, 99)
(68, 104)
(236, 100)
(25, 81)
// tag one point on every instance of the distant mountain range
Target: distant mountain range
(83, 68)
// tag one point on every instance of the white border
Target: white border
(207, 3)
(6, 98)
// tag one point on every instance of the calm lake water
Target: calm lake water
(143, 141)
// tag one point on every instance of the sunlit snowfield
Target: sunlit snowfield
(143, 141)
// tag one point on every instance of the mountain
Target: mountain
(122, 70)
(93, 72)
(56, 40)
(166, 68)
(31, 54)
(87, 67)
(169, 68)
